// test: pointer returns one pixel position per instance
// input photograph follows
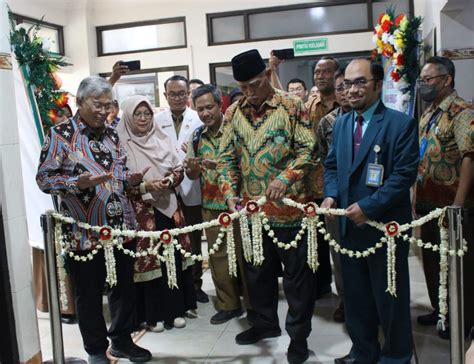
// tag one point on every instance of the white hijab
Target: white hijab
(153, 149)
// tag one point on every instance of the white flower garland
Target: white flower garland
(58, 240)
(312, 258)
(111, 278)
(246, 239)
(168, 253)
(391, 271)
(231, 257)
(443, 275)
(257, 239)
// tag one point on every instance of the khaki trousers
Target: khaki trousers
(228, 289)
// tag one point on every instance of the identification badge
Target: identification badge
(374, 175)
(375, 171)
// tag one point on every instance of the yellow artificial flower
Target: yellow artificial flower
(385, 17)
(404, 24)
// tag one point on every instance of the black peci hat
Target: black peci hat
(247, 65)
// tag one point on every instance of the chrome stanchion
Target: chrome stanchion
(456, 289)
(53, 297)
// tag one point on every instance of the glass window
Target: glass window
(308, 21)
(227, 29)
(380, 6)
(141, 38)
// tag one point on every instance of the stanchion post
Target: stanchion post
(53, 297)
(456, 289)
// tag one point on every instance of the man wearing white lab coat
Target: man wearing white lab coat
(179, 122)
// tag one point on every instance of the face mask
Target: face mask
(428, 92)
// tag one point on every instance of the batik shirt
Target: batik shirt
(208, 148)
(448, 131)
(324, 133)
(315, 180)
(71, 149)
(258, 146)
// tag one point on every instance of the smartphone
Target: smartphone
(286, 53)
(132, 65)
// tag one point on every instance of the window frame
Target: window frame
(323, 3)
(102, 28)
(18, 18)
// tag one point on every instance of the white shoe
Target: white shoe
(159, 327)
(192, 314)
(179, 322)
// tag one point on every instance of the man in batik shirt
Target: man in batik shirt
(201, 163)
(266, 149)
(446, 174)
(83, 162)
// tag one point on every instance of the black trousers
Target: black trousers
(324, 272)
(298, 284)
(89, 283)
(193, 216)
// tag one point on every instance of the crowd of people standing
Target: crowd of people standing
(341, 148)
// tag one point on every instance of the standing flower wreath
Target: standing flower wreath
(396, 38)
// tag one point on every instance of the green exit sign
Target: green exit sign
(310, 45)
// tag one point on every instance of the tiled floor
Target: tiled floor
(201, 342)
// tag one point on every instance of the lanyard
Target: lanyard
(424, 140)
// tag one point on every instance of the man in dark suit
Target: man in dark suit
(384, 142)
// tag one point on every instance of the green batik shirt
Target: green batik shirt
(208, 148)
(275, 141)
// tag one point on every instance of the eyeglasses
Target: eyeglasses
(177, 96)
(422, 81)
(340, 88)
(139, 115)
(95, 106)
(296, 89)
(358, 83)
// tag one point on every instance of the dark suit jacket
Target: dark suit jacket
(345, 179)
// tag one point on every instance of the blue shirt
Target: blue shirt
(367, 115)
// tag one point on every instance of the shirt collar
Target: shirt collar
(219, 132)
(369, 113)
(448, 100)
(271, 100)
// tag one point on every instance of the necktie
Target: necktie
(358, 134)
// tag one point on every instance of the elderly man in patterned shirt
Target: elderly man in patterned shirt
(445, 175)
(83, 162)
(265, 151)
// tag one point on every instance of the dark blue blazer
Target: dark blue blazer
(345, 178)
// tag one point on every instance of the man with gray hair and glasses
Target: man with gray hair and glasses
(83, 162)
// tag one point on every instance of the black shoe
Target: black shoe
(446, 333)
(68, 319)
(430, 319)
(322, 291)
(98, 359)
(297, 352)
(225, 315)
(253, 335)
(201, 296)
(345, 360)
(130, 351)
(339, 315)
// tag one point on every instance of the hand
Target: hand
(184, 147)
(233, 203)
(276, 190)
(274, 61)
(86, 180)
(118, 70)
(209, 164)
(355, 213)
(136, 177)
(329, 203)
(156, 185)
(193, 169)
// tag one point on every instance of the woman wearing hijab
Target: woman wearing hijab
(157, 208)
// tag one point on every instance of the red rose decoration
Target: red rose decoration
(398, 19)
(225, 219)
(380, 18)
(386, 25)
(400, 60)
(392, 228)
(310, 209)
(166, 237)
(105, 233)
(252, 207)
(395, 76)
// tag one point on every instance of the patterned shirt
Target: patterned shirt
(71, 149)
(448, 131)
(315, 180)
(208, 148)
(324, 133)
(258, 146)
